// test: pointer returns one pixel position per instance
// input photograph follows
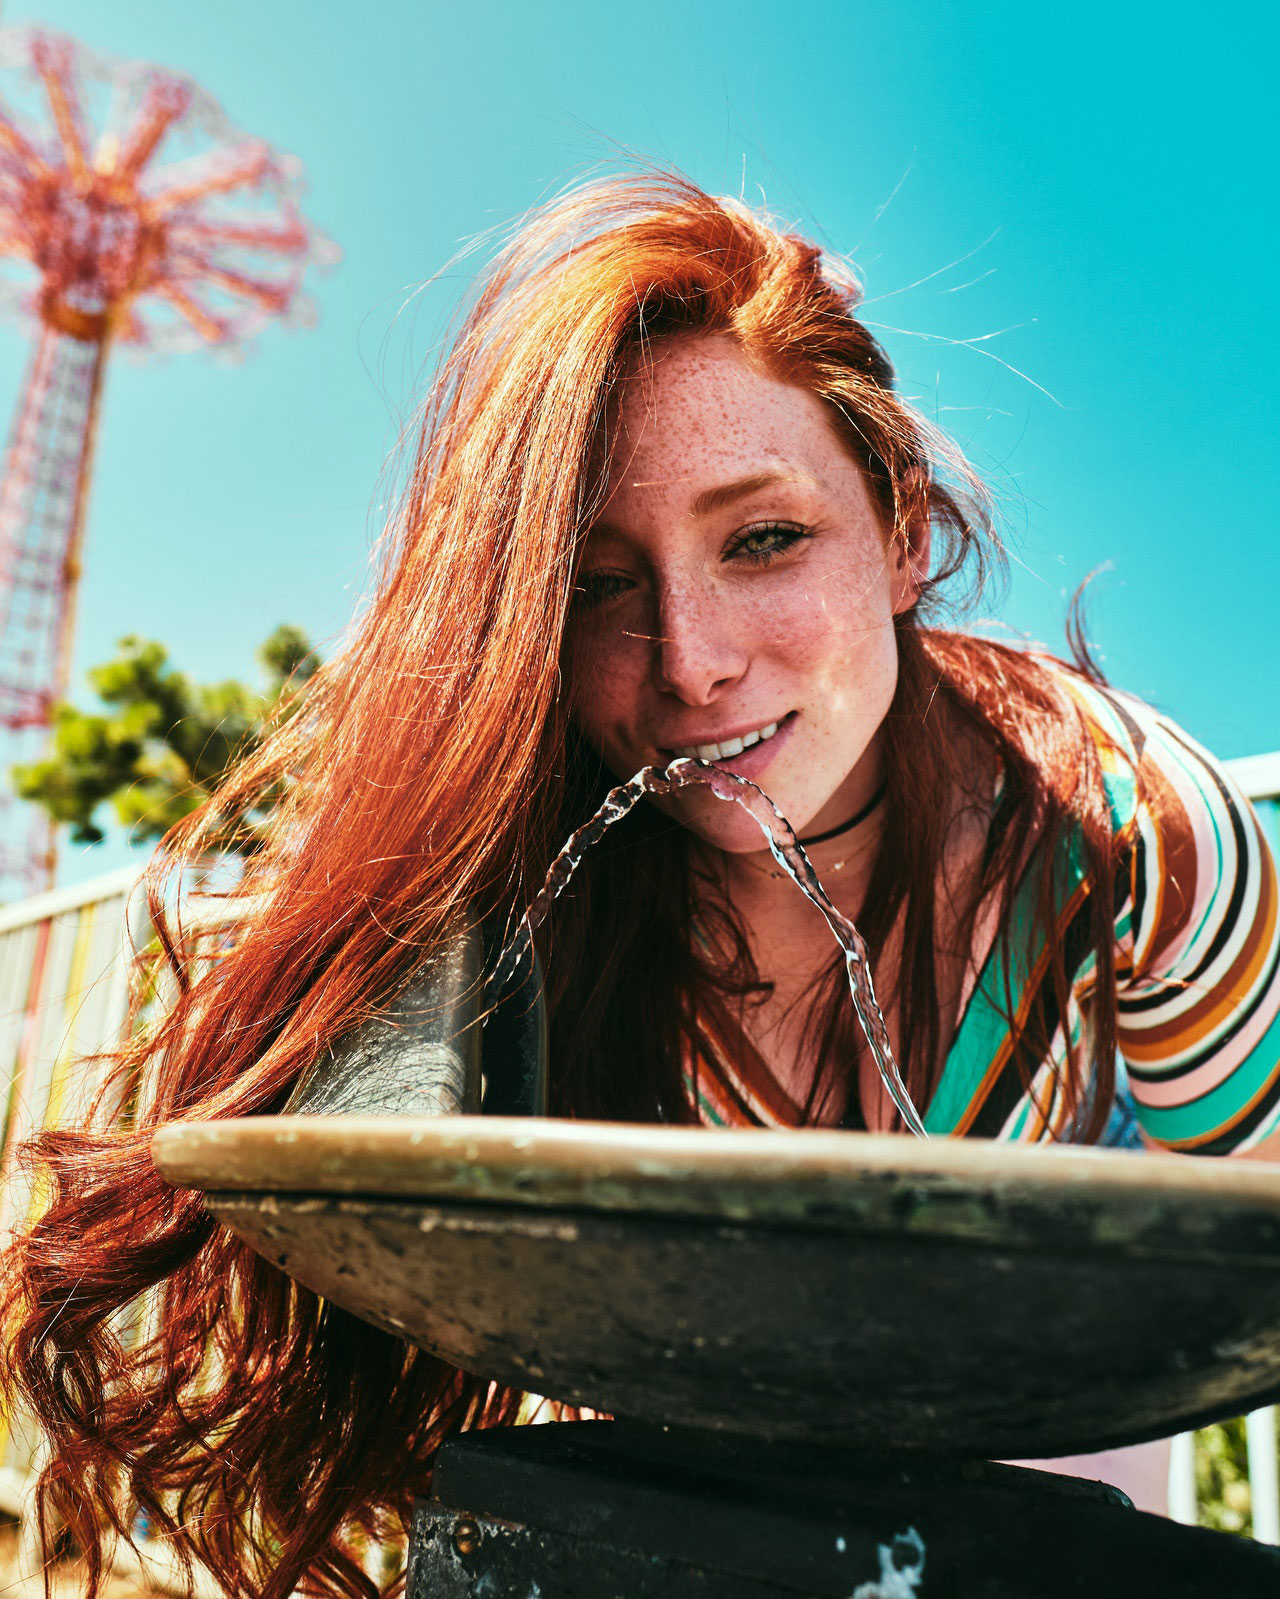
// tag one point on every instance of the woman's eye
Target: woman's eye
(598, 588)
(763, 542)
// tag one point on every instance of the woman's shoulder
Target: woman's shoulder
(1117, 726)
(1200, 870)
(1156, 775)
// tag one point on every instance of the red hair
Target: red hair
(256, 1426)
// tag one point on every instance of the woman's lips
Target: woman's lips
(752, 762)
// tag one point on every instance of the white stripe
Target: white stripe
(1263, 995)
(1219, 874)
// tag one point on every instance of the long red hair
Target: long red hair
(433, 769)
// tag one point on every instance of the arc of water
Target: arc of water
(785, 848)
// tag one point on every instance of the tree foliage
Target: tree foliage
(1222, 1478)
(161, 743)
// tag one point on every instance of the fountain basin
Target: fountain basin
(849, 1289)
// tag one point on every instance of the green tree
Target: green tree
(162, 743)
(1222, 1478)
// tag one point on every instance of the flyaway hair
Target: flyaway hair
(433, 771)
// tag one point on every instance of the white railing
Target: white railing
(63, 1001)
(1259, 777)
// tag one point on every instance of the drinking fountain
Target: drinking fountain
(815, 1344)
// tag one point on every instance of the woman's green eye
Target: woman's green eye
(761, 543)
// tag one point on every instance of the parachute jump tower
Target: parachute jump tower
(143, 218)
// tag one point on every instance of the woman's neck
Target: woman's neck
(788, 936)
(843, 859)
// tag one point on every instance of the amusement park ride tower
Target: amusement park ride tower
(148, 221)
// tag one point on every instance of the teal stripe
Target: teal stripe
(1204, 1117)
(1122, 797)
(1019, 1127)
(974, 1048)
(985, 1026)
(708, 1112)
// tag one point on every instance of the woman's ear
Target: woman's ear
(909, 550)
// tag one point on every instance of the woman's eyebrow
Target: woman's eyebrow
(725, 493)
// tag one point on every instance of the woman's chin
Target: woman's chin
(719, 824)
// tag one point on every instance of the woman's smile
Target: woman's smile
(747, 754)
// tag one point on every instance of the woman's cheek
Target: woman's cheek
(604, 681)
(800, 630)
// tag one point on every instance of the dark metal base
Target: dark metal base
(607, 1510)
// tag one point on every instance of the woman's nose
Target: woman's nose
(697, 651)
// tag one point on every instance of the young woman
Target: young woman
(665, 501)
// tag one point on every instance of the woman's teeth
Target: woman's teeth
(730, 747)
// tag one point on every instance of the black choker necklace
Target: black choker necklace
(847, 827)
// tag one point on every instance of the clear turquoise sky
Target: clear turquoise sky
(1098, 180)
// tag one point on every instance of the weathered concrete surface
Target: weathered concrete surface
(866, 1290)
(971, 1188)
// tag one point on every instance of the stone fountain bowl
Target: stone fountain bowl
(843, 1288)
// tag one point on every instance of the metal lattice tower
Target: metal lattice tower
(141, 217)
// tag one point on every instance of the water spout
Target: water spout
(785, 848)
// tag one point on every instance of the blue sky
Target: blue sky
(1092, 184)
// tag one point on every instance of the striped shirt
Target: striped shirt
(1197, 952)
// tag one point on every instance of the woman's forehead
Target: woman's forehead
(696, 416)
(686, 377)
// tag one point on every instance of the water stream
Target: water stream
(785, 848)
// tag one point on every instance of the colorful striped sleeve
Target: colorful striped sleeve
(1199, 952)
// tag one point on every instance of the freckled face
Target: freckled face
(737, 578)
